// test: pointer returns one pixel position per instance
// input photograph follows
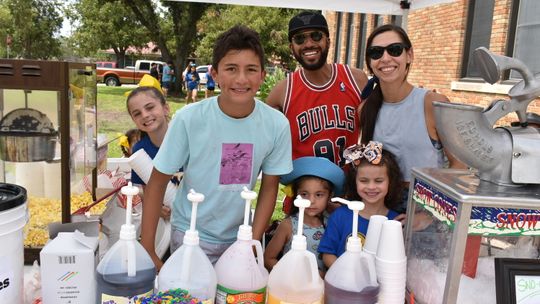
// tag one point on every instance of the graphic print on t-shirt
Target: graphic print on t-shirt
(236, 163)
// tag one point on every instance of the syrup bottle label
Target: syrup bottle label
(274, 300)
(230, 296)
(106, 299)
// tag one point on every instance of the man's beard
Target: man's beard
(315, 66)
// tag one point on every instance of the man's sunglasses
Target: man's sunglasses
(394, 50)
(299, 39)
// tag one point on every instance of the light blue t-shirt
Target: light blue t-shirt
(220, 155)
(166, 76)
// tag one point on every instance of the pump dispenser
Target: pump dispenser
(126, 270)
(241, 275)
(295, 278)
(352, 278)
(189, 268)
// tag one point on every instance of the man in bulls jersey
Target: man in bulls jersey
(321, 99)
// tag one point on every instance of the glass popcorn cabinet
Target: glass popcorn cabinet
(48, 132)
(459, 226)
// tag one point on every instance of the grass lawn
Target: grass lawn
(114, 120)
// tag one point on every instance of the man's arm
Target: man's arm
(276, 98)
(152, 202)
(360, 78)
(265, 204)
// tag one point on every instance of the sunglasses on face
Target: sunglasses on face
(299, 39)
(394, 50)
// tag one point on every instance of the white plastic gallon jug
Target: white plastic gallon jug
(295, 278)
(241, 275)
(126, 270)
(188, 267)
(13, 217)
(352, 279)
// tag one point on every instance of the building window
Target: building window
(397, 20)
(524, 38)
(479, 22)
(361, 42)
(337, 51)
(350, 37)
(378, 20)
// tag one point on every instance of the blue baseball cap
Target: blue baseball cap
(319, 167)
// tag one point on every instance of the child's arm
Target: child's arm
(281, 237)
(328, 259)
(153, 196)
(265, 204)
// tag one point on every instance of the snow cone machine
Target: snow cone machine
(48, 131)
(464, 222)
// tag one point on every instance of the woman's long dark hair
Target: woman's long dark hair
(372, 105)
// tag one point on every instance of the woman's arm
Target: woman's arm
(432, 125)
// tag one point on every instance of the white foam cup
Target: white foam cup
(391, 247)
(373, 233)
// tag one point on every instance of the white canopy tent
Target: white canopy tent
(381, 7)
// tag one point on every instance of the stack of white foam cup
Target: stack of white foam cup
(391, 263)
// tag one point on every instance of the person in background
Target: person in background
(192, 83)
(321, 99)
(128, 140)
(210, 84)
(396, 113)
(223, 143)
(154, 71)
(316, 179)
(167, 78)
(375, 179)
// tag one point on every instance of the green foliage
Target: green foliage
(103, 25)
(270, 23)
(270, 82)
(33, 25)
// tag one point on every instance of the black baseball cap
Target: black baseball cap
(307, 20)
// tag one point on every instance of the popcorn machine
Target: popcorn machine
(48, 131)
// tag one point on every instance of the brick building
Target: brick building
(443, 38)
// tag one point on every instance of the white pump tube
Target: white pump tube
(302, 204)
(248, 196)
(195, 198)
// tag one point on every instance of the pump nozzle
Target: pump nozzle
(195, 198)
(299, 240)
(355, 206)
(245, 231)
(127, 231)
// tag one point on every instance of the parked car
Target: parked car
(202, 70)
(127, 75)
(105, 64)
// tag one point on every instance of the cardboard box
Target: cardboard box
(68, 264)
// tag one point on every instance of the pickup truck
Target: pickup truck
(127, 75)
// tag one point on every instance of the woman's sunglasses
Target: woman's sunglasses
(394, 50)
(299, 39)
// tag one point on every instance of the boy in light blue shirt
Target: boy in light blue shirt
(222, 143)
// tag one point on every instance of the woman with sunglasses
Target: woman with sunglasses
(396, 113)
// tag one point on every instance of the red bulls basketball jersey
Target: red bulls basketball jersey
(323, 119)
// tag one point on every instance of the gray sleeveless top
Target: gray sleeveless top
(313, 238)
(401, 127)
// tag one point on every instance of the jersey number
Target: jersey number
(325, 148)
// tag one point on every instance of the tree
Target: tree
(270, 23)
(35, 23)
(5, 28)
(184, 17)
(105, 25)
